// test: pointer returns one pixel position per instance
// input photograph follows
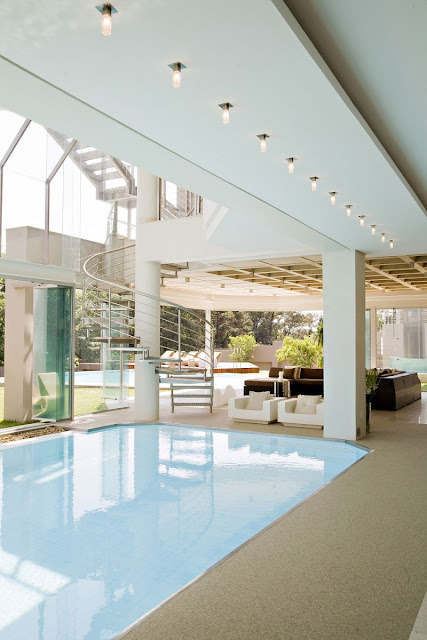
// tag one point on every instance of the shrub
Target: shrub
(306, 352)
(242, 347)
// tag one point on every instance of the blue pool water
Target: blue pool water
(99, 528)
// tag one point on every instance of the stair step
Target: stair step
(119, 340)
(192, 404)
(190, 395)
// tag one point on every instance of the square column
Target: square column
(373, 324)
(147, 308)
(18, 352)
(344, 344)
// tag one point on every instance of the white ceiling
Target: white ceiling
(377, 51)
(245, 52)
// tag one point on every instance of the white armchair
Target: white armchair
(286, 414)
(239, 409)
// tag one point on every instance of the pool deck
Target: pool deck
(349, 563)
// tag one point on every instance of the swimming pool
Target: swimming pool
(95, 379)
(99, 528)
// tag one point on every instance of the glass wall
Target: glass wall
(52, 353)
(402, 339)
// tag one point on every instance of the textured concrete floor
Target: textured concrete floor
(350, 563)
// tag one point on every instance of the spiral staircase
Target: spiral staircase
(124, 321)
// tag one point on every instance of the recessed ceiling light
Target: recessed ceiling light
(291, 164)
(348, 209)
(263, 141)
(362, 220)
(314, 180)
(226, 106)
(333, 195)
(176, 67)
(106, 10)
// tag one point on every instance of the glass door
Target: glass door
(53, 368)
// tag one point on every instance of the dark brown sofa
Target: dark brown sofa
(396, 390)
(310, 382)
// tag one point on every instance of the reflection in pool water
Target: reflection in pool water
(99, 528)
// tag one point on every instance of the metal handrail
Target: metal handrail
(97, 274)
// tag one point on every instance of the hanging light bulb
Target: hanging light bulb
(391, 244)
(348, 209)
(314, 180)
(176, 67)
(226, 106)
(263, 141)
(362, 220)
(291, 165)
(373, 229)
(106, 11)
(333, 196)
(383, 237)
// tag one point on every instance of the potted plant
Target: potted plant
(372, 382)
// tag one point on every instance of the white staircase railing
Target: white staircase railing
(126, 319)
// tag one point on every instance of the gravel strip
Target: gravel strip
(31, 434)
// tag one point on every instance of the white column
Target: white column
(344, 344)
(18, 352)
(208, 333)
(147, 311)
(373, 325)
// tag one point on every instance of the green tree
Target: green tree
(230, 323)
(305, 352)
(192, 329)
(242, 347)
(296, 324)
(86, 350)
(263, 326)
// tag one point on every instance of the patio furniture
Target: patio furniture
(262, 410)
(304, 411)
(396, 390)
(309, 382)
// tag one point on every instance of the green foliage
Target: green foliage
(192, 329)
(230, 323)
(305, 352)
(86, 350)
(295, 324)
(372, 381)
(242, 347)
(318, 336)
(263, 326)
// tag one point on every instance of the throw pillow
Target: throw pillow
(297, 373)
(289, 373)
(307, 404)
(256, 398)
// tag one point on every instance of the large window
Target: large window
(402, 339)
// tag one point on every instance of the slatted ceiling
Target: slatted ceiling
(303, 275)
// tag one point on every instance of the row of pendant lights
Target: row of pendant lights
(107, 10)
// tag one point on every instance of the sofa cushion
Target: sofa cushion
(289, 373)
(296, 370)
(274, 372)
(256, 398)
(307, 404)
(312, 374)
